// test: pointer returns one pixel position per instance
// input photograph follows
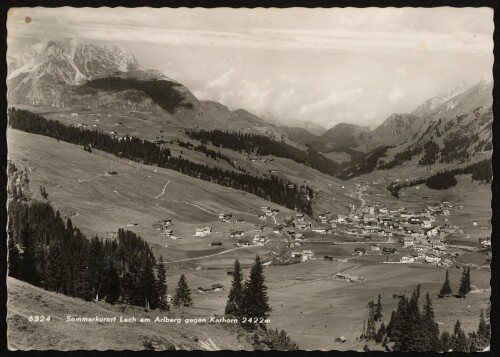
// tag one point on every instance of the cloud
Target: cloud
(222, 80)
(395, 94)
(370, 115)
(146, 25)
(335, 98)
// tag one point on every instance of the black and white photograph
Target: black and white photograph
(270, 179)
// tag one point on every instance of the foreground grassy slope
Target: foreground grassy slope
(25, 300)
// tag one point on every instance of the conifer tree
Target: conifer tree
(235, 298)
(370, 325)
(55, 267)
(380, 334)
(459, 341)
(465, 287)
(378, 309)
(255, 299)
(445, 341)
(148, 284)
(430, 325)
(446, 289)
(182, 295)
(483, 332)
(14, 258)
(162, 285)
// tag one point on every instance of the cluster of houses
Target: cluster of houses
(303, 255)
(268, 212)
(163, 225)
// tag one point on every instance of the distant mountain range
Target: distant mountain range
(70, 73)
(74, 73)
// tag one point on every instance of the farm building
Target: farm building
(236, 234)
(243, 243)
(215, 244)
(202, 232)
(474, 223)
(225, 217)
(306, 255)
(328, 258)
(360, 251)
(376, 247)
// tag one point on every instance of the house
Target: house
(407, 259)
(303, 226)
(215, 244)
(432, 258)
(213, 287)
(421, 255)
(299, 218)
(485, 242)
(432, 232)
(360, 251)
(328, 258)
(341, 219)
(408, 242)
(320, 230)
(237, 234)
(296, 254)
(202, 232)
(169, 299)
(277, 229)
(225, 217)
(306, 254)
(243, 243)
(262, 217)
(259, 240)
(340, 339)
(168, 232)
(426, 224)
(111, 173)
(387, 250)
(376, 247)
(240, 220)
(474, 223)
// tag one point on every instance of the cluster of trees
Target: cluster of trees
(248, 302)
(456, 146)
(164, 93)
(394, 187)
(271, 188)
(247, 299)
(414, 328)
(480, 171)
(400, 157)
(49, 253)
(431, 151)
(365, 165)
(441, 181)
(464, 288)
(263, 145)
(208, 152)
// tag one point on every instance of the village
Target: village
(399, 236)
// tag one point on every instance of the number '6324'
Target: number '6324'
(37, 318)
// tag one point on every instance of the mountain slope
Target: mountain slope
(25, 300)
(67, 73)
(457, 131)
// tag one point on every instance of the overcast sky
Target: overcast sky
(321, 65)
